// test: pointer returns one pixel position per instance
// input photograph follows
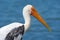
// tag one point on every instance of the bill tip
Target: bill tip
(49, 30)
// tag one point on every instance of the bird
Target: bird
(15, 30)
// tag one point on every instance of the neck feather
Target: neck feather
(27, 20)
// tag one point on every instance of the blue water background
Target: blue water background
(11, 11)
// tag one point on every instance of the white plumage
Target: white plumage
(6, 29)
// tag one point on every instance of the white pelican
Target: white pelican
(15, 31)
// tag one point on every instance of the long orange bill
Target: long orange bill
(38, 17)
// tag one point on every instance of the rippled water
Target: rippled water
(11, 11)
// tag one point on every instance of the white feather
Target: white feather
(6, 29)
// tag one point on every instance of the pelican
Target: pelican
(15, 30)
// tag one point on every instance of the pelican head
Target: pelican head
(30, 10)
